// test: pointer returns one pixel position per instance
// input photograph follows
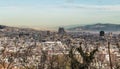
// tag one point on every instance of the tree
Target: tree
(86, 56)
(6, 58)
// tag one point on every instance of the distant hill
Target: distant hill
(2, 26)
(97, 27)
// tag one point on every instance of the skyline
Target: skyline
(58, 12)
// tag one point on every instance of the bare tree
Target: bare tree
(87, 58)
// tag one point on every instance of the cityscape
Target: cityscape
(59, 34)
(25, 48)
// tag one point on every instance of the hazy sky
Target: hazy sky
(58, 12)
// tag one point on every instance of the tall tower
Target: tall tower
(102, 35)
(61, 30)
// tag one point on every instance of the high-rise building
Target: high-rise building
(61, 30)
(102, 33)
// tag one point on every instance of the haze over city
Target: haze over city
(52, 13)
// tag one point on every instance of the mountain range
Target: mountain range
(92, 27)
(97, 27)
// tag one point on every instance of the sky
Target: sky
(51, 13)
